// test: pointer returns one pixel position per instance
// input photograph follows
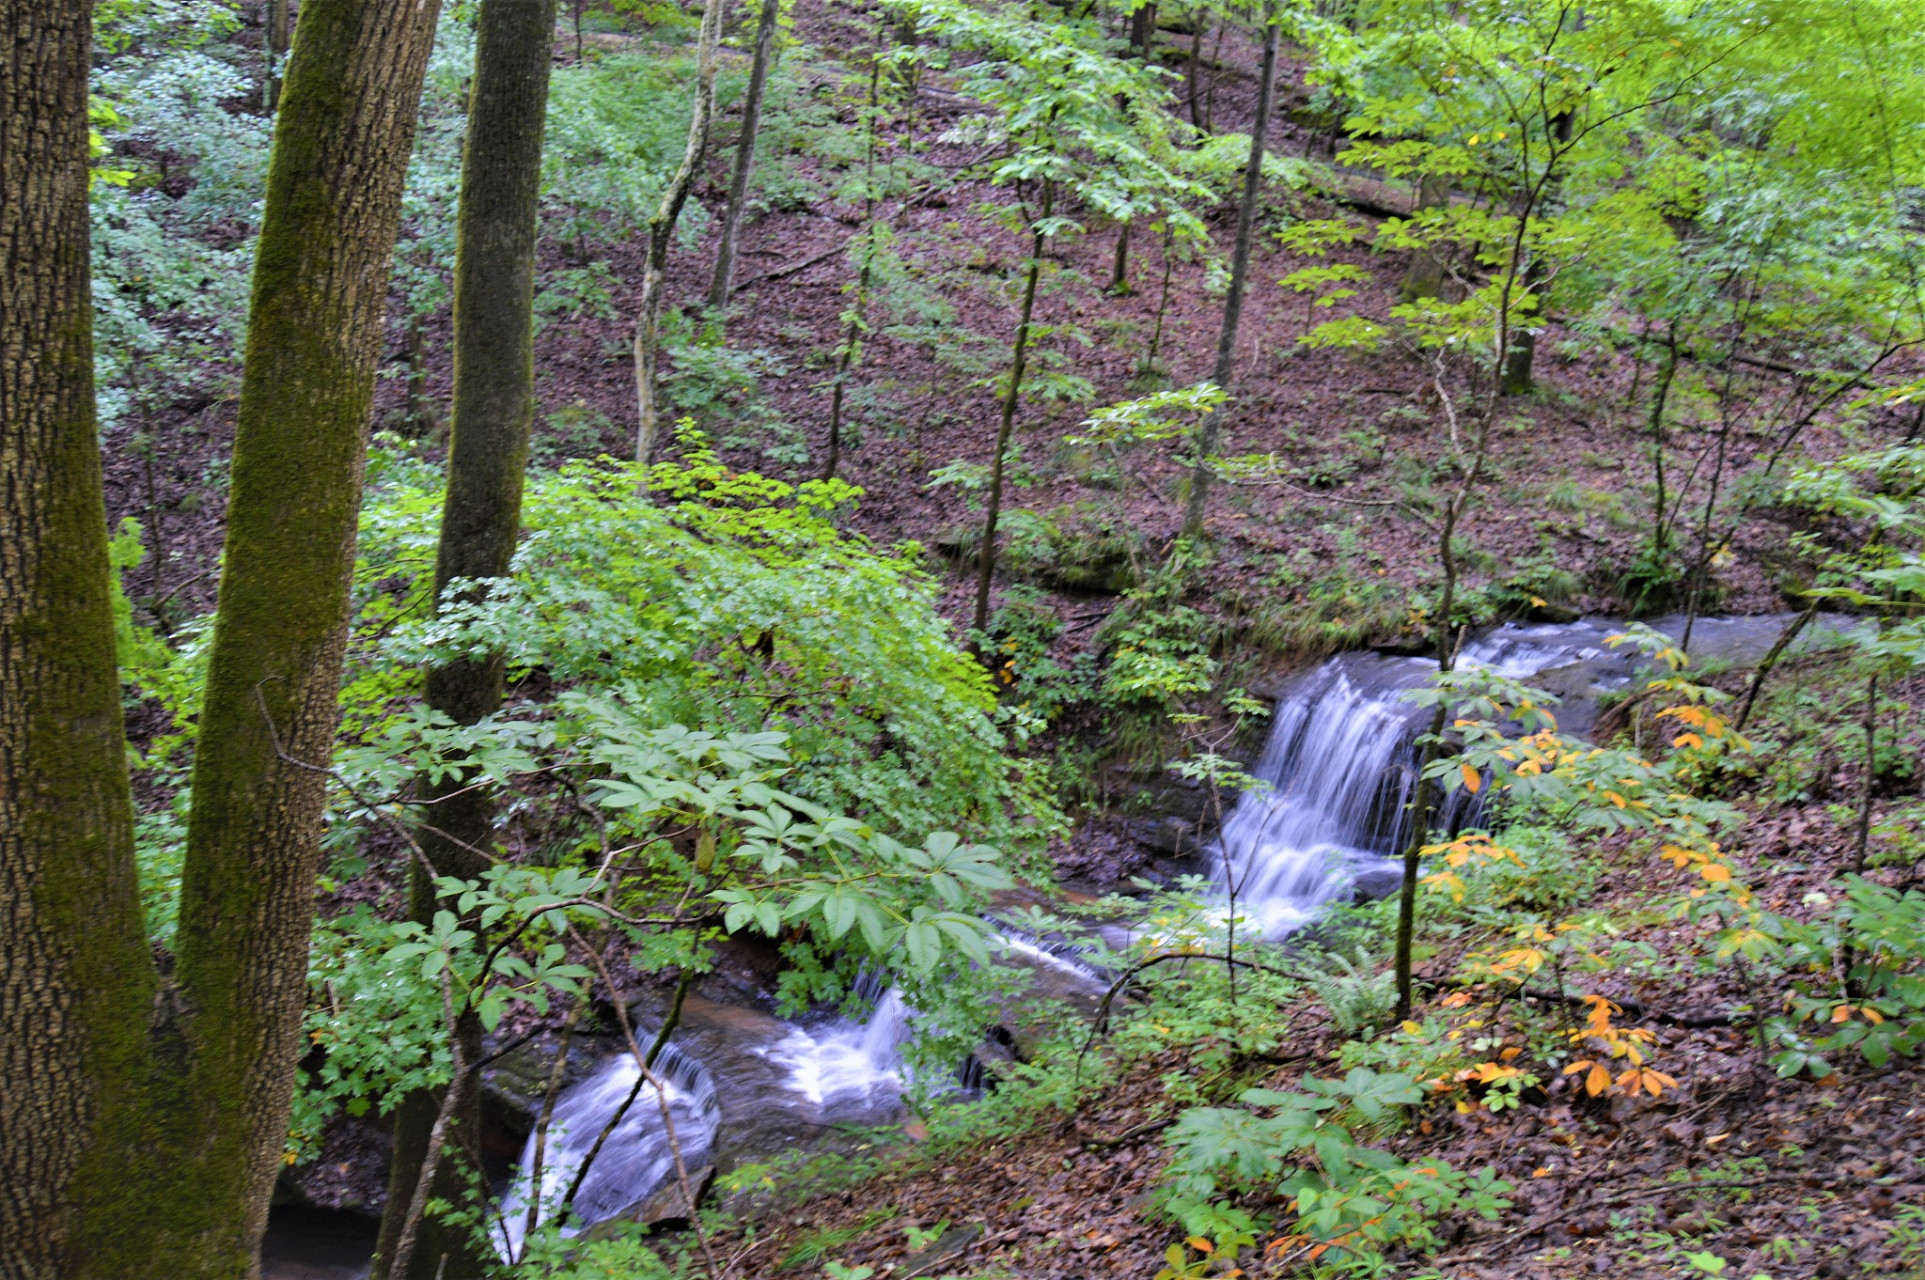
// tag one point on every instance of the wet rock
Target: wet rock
(668, 1207)
(1377, 880)
(1170, 835)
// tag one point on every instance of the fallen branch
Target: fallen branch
(1129, 1135)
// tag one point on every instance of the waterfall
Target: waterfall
(840, 1065)
(1341, 765)
(635, 1160)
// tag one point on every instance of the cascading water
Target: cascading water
(634, 1161)
(1342, 766)
(841, 1066)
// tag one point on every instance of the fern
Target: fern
(1357, 998)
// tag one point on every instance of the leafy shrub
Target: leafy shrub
(1875, 937)
(1347, 1196)
(730, 601)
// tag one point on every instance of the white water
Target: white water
(842, 1065)
(1342, 766)
(634, 1161)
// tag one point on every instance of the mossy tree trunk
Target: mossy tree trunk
(76, 982)
(1226, 348)
(341, 144)
(1424, 276)
(494, 405)
(745, 152)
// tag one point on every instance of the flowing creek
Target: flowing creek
(745, 1086)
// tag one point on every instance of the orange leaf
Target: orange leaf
(1598, 1080)
(1508, 1054)
(1472, 779)
(1200, 1244)
(1841, 1014)
(1715, 873)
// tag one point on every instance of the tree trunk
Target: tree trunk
(745, 152)
(77, 983)
(1119, 284)
(1239, 274)
(1019, 359)
(661, 231)
(1424, 277)
(1521, 359)
(341, 147)
(494, 404)
(274, 47)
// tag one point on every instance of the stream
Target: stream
(747, 1087)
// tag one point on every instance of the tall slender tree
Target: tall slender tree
(661, 232)
(494, 405)
(764, 57)
(1226, 346)
(76, 985)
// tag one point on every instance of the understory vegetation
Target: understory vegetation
(933, 440)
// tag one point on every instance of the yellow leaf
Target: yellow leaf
(1472, 779)
(1412, 1028)
(1598, 1080)
(1715, 873)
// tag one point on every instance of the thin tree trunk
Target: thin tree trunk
(1012, 395)
(1196, 56)
(661, 231)
(843, 360)
(341, 147)
(745, 152)
(1770, 660)
(274, 47)
(420, 412)
(1521, 358)
(494, 404)
(1420, 809)
(77, 981)
(858, 313)
(1226, 346)
(1120, 264)
(1861, 838)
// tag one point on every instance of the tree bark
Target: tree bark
(1424, 277)
(1012, 395)
(661, 230)
(494, 405)
(1226, 346)
(274, 48)
(341, 146)
(745, 152)
(76, 980)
